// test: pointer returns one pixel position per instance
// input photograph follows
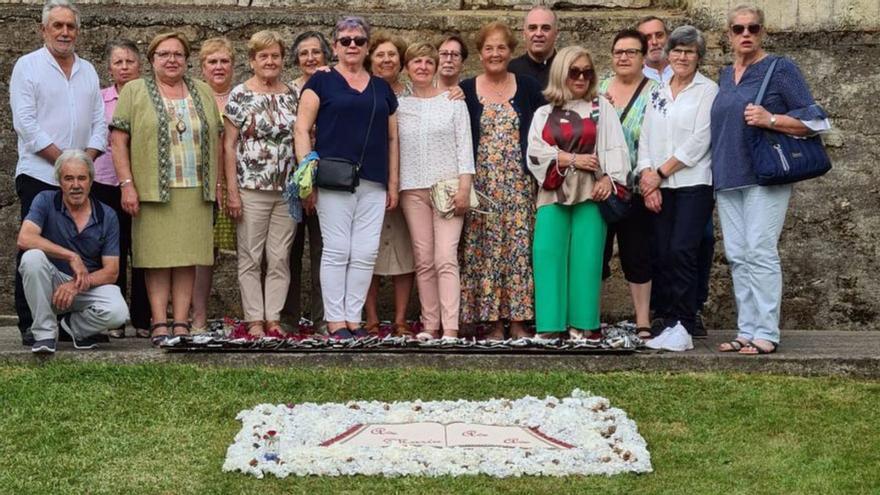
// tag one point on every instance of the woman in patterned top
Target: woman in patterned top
(258, 147)
(576, 149)
(166, 134)
(435, 146)
(629, 90)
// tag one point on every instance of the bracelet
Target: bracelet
(571, 161)
(125, 183)
(661, 174)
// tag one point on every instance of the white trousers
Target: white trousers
(92, 311)
(350, 228)
(751, 222)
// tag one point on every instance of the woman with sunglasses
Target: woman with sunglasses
(676, 177)
(752, 216)
(629, 90)
(576, 149)
(354, 115)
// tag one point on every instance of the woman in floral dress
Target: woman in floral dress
(496, 260)
(258, 141)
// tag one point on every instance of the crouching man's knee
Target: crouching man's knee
(33, 260)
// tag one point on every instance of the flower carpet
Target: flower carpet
(576, 435)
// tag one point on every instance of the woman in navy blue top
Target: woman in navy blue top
(751, 215)
(339, 103)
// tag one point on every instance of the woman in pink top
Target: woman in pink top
(125, 65)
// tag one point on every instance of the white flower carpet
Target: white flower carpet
(577, 435)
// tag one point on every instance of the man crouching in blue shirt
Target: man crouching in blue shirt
(71, 259)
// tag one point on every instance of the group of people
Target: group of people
(494, 195)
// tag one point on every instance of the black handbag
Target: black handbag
(782, 159)
(342, 174)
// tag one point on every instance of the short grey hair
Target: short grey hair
(686, 36)
(59, 4)
(74, 155)
(745, 8)
(351, 22)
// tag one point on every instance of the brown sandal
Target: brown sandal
(402, 330)
(178, 324)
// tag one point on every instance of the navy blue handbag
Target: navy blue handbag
(782, 159)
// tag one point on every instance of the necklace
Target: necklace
(499, 90)
(171, 110)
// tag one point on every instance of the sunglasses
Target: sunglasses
(574, 73)
(740, 29)
(357, 40)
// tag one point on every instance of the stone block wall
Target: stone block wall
(828, 247)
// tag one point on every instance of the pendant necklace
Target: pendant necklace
(171, 110)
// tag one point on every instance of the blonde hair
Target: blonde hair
(492, 28)
(214, 45)
(421, 49)
(557, 92)
(159, 38)
(262, 40)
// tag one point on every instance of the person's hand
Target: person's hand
(654, 201)
(757, 116)
(602, 189)
(455, 93)
(80, 274)
(218, 197)
(649, 181)
(310, 202)
(590, 162)
(608, 97)
(233, 204)
(391, 198)
(462, 201)
(129, 199)
(63, 296)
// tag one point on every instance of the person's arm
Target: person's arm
(802, 107)
(119, 141)
(98, 129)
(108, 273)
(306, 115)
(464, 156)
(393, 163)
(30, 237)
(233, 197)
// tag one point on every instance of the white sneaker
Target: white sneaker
(657, 342)
(678, 340)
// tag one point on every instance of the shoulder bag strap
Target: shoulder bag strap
(370, 125)
(766, 82)
(632, 101)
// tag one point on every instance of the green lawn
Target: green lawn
(74, 428)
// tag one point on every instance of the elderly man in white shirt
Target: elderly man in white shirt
(676, 176)
(656, 33)
(56, 105)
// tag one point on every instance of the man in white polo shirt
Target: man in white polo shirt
(56, 104)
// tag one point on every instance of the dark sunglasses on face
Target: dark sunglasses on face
(574, 73)
(357, 40)
(740, 29)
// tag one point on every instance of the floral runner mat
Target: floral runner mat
(576, 435)
(229, 337)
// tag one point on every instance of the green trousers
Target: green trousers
(568, 249)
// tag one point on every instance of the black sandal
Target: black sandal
(158, 340)
(758, 350)
(644, 333)
(179, 324)
(735, 345)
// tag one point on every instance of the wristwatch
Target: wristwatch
(772, 120)
(661, 174)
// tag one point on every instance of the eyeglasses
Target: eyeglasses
(357, 40)
(682, 53)
(452, 55)
(740, 29)
(167, 55)
(629, 52)
(574, 73)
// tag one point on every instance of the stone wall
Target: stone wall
(829, 243)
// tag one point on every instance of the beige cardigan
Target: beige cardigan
(578, 185)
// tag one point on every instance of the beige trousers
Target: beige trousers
(265, 227)
(435, 248)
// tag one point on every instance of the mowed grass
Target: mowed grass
(91, 428)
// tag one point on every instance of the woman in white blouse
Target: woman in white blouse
(676, 175)
(435, 146)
